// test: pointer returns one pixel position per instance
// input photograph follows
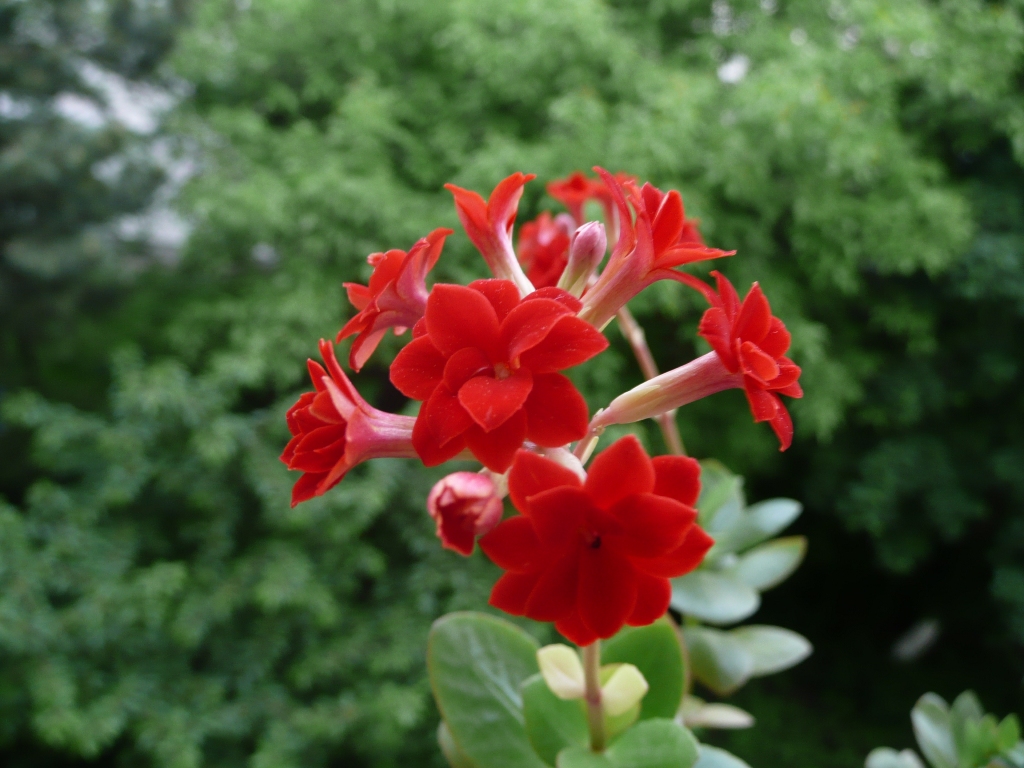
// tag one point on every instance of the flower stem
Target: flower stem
(637, 339)
(592, 679)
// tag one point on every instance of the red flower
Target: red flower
(395, 297)
(592, 556)
(647, 250)
(575, 190)
(465, 505)
(489, 226)
(750, 341)
(334, 429)
(485, 364)
(544, 249)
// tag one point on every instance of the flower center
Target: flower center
(591, 539)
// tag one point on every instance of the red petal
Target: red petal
(512, 545)
(556, 412)
(755, 317)
(464, 365)
(305, 487)
(496, 449)
(607, 590)
(531, 474)
(502, 204)
(652, 525)
(726, 294)
(363, 347)
(681, 560)
(472, 211)
(359, 297)
(763, 405)
(441, 422)
(557, 515)
(303, 402)
(668, 223)
(677, 477)
(511, 592)
(573, 629)
(458, 533)
(417, 369)
(527, 325)
(491, 402)
(459, 317)
(776, 342)
(570, 342)
(783, 426)
(555, 593)
(757, 364)
(716, 329)
(557, 294)
(620, 470)
(791, 390)
(503, 295)
(653, 595)
(788, 374)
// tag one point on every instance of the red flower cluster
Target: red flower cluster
(592, 556)
(486, 362)
(749, 340)
(544, 249)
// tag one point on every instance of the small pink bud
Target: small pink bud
(464, 505)
(585, 254)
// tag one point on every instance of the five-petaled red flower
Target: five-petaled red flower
(544, 249)
(395, 297)
(592, 556)
(486, 362)
(749, 340)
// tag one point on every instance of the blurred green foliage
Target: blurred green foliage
(159, 602)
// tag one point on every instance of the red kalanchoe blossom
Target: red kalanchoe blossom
(465, 505)
(573, 192)
(544, 249)
(489, 226)
(592, 556)
(648, 248)
(486, 362)
(334, 429)
(395, 297)
(750, 341)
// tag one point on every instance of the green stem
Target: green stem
(592, 679)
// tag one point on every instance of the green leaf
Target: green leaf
(930, 718)
(771, 563)
(456, 757)
(713, 757)
(697, 713)
(655, 743)
(718, 660)
(476, 665)
(966, 708)
(773, 649)
(656, 651)
(716, 598)
(1008, 734)
(552, 724)
(884, 757)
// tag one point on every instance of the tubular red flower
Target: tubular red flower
(489, 226)
(751, 342)
(395, 298)
(485, 364)
(334, 429)
(464, 505)
(544, 249)
(595, 555)
(648, 248)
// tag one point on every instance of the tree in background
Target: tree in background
(161, 602)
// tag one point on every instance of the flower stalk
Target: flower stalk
(595, 709)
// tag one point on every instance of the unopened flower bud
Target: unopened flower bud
(585, 254)
(464, 505)
(624, 688)
(562, 670)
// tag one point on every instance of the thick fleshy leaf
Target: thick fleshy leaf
(556, 412)
(607, 590)
(653, 525)
(718, 660)
(932, 728)
(714, 597)
(555, 593)
(552, 724)
(677, 477)
(528, 324)
(491, 402)
(496, 449)
(884, 757)
(714, 757)
(653, 596)
(557, 515)
(459, 317)
(771, 563)
(531, 474)
(620, 470)
(696, 713)
(570, 342)
(417, 369)
(656, 651)
(477, 664)
(773, 649)
(512, 545)
(512, 591)
(721, 502)
(755, 316)
(655, 743)
(759, 522)
(456, 757)
(503, 295)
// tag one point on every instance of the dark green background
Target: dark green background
(160, 604)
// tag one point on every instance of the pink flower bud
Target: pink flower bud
(464, 505)
(585, 254)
